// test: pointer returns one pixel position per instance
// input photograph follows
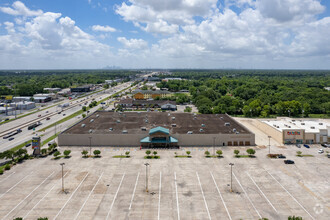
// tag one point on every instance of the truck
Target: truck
(10, 134)
(30, 127)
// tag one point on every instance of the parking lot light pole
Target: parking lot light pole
(269, 137)
(62, 164)
(90, 146)
(146, 164)
(214, 146)
(231, 176)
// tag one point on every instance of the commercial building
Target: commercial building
(52, 90)
(141, 103)
(151, 94)
(156, 129)
(81, 89)
(292, 131)
(23, 105)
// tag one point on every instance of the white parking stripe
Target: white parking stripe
(14, 185)
(160, 190)
(262, 192)
(247, 195)
(7, 177)
(177, 198)
(137, 178)
(291, 195)
(28, 195)
(113, 201)
(207, 209)
(42, 198)
(224, 204)
(88, 196)
(70, 197)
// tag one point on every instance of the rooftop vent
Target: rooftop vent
(173, 125)
(302, 123)
(203, 125)
(173, 118)
(293, 120)
(227, 124)
(146, 121)
(91, 120)
(83, 125)
(234, 129)
(143, 128)
(189, 132)
(320, 123)
(118, 121)
(237, 132)
(201, 130)
(312, 127)
(289, 126)
(110, 129)
(169, 114)
(90, 131)
(97, 116)
(125, 132)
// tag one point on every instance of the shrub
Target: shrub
(294, 218)
(219, 152)
(18, 218)
(66, 153)
(83, 115)
(127, 153)
(250, 151)
(236, 152)
(97, 153)
(207, 153)
(1, 171)
(299, 153)
(84, 153)
(43, 151)
(155, 153)
(272, 155)
(44, 218)
(188, 153)
(7, 167)
(56, 154)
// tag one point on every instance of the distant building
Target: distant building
(169, 106)
(22, 98)
(131, 103)
(81, 89)
(150, 94)
(52, 89)
(168, 79)
(23, 105)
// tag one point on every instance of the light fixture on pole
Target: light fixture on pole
(289, 112)
(269, 137)
(90, 145)
(214, 146)
(231, 176)
(62, 164)
(146, 164)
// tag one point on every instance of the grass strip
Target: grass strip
(121, 156)
(183, 156)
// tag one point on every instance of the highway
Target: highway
(52, 113)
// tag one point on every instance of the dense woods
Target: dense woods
(256, 93)
(27, 83)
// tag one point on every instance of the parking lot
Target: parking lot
(179, 188)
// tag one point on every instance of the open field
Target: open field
(179, 188)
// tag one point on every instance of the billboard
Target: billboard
(36, 143)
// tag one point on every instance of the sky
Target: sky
(203, 34)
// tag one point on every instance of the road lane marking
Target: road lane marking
(113, 201)
(290, 195)
(247, 195)
(88, 196)
(262, 192)
(137, 178)
(224, 204)
(28, 195)
(70, 197)
(160, 190)
(7, 177)
(42, 198)
(177, 198)
(14, 185)
(207, 208)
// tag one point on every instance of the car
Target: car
(305, 145)
(321, 151)
(323, 145)
(63, 114)
(59, 113)
(39, 115)
(48, 118)
(288, 161)
(10, 139)
(46, 111)
(328, 155)
(6, 119)
(298, 145)
(281, 156)
(28, 145)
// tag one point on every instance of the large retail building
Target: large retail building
(156, 129)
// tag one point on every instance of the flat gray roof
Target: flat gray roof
(100, 122)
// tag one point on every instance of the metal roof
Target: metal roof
(159, 129)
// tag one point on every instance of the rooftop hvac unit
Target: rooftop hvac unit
(201, 130)
(237, 132)
(173, 125)
(302, 123)
(195, 114)
(97, 116)
(143, 128)
(320, 123)
(293, 120)
(91, 120)
(203, 125)
(146, 121)
(227, 124)
(234, 129)
(83, 125)
(118, 121)
(312, 127)
(189, 132)
(110, 129)
(169, 114)
(125, 132)
(173, 118)
(90, 131)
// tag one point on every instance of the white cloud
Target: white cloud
(133, 43)
(103, 28)
(18, 8)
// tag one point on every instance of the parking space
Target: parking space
(178, 188)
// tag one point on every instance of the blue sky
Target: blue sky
(280, 34)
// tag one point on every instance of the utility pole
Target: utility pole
(90, 145)
(269, 137)
(231, 176)
(62, 164)
(146, 164)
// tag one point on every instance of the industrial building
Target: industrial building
(141, 103)
(23, 105)
(291, 131)
(80, 89)
(156, 129)
(151, 94)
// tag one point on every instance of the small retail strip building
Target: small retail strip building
(156, 129)
(296, 131)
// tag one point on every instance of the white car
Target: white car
(321, 151)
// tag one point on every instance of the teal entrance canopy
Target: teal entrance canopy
(157, 141)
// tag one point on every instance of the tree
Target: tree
(207, 153)
(20, 152)
(97, 153)
(219, 152)
(236, 152)
(84, 153)
(155, 153)
(188, 153)
(250, 151)
(57, 154)
(127, 153)
(43, 151)
(7, 167)
(106, 86)
(67, 153)
(8, 154)
(83, 115)
(148, 152)
(44, 218)
(84, 108)
(294, 218)
(19, 218)
(90, 105)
